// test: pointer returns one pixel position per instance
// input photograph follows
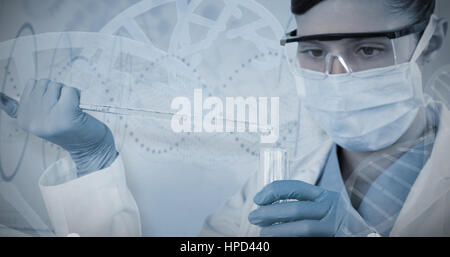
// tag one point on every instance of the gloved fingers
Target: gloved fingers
(303, 228)
(287, 189)
(53, 93)
(70, 97)
(288, 212)
(9, 105)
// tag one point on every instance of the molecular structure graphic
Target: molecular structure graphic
(227, 48)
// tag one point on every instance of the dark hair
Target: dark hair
(418, 9)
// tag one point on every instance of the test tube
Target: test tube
(273, 164)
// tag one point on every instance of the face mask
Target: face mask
(368, 110)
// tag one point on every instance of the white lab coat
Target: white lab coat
(101, 204)
(98, 204)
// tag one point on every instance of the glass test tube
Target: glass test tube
(274, 164)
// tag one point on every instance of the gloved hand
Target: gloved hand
(316, 212)
(51, 111)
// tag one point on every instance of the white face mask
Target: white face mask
(370, 110)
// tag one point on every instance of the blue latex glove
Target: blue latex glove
(51, 111)
(316, 212)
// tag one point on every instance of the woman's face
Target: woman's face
(353, 16)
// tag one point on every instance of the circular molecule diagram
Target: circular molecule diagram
(9, 133)
(226, 48)
(94, 75)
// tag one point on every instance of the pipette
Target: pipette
(156, 114)
(124, 111)
(13, 105)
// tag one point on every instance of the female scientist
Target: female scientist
(380, 169)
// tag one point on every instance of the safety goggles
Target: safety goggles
(348, 53)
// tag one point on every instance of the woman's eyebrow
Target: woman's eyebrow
(342, 42)
(373, 39)
(312, 42)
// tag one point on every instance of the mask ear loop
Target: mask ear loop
(426, 37)
(421, 46)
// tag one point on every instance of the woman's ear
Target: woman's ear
(436, 41)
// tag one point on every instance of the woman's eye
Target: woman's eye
(369, 51)
(315, 53)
